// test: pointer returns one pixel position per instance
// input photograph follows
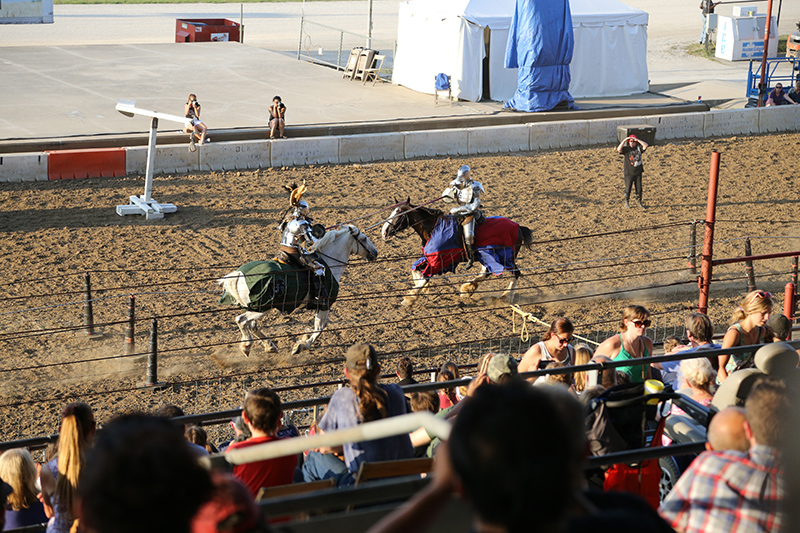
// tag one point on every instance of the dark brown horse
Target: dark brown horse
(423, 220)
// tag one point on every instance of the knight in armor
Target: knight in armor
(298, 236)
(467, 193)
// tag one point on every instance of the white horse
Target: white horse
(335, 248)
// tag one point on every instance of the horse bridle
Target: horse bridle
(355, 234)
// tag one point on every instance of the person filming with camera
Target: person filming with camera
(197, 128)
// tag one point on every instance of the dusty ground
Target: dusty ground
(51, 233)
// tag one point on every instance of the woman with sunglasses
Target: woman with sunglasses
(630, 343)
(554, 346)
(747, 328)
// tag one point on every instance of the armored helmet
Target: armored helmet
(463, 174)
(301, 209)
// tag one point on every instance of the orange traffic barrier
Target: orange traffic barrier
(93, 163)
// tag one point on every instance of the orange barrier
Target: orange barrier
(94, 163)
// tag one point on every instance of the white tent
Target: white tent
(466, 39)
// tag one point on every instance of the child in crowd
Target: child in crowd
(262, 413)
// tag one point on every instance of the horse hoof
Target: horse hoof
(467, 289)
(299, 347)
(407, 302)
(272, 347)
(245, 349)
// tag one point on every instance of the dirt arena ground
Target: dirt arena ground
(51, 233)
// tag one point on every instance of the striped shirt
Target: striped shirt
(734, 492)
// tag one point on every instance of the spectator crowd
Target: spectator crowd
(516, 452)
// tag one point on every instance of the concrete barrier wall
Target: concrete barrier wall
(235, 156)
(604, 131)
(368, 148)
(433, 143)
(547, 135)
(170, 159)
(782, 118)
(305, 151)
(677, 126)
(499, 139)
(719, 122)
(23, 167)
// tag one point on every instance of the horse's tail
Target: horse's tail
(527, 236)
(231, 284)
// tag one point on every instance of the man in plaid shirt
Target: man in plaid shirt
(734, 491)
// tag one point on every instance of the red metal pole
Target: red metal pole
(788, 303)
(708, 240)
(766, 46)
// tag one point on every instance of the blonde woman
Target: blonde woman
(23, 507)
(583, 355)
(747, 328)
(630, 343)
(59, 477)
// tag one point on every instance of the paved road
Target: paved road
(64, 78)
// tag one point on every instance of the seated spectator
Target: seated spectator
(198, 435)
(726, 431)
(563, 380)
(778, 97)
(669, 370)
(240, 433)
(516, 476)
(22, 507)
(262, 413)
(631, 343)
(363, 401)
(231, 509)
(140, 476)
(781, 326)
(736, 491)
(425, 401)
(60, 476)
(447, 395)
(197, 128)
(698, 376)
(170, 411)
(583, 355)
(405, 371)
(554, 346)
(747, 328)
(794, 92)
(460, 391)
(609, 377)
(277, 118)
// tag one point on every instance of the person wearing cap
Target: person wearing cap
(778, 97)
(781, 328)
(364, 400)
(632, 149)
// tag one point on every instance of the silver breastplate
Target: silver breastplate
(297, 234)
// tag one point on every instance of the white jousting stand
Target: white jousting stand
(145, 205)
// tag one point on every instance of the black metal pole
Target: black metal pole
(748, 268)
(130, 332)
(152, 356)
(693, 248)
(88, 315)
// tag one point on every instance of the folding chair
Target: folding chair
(364, 62)
(375, 70)
(352, 63)
(441, 84)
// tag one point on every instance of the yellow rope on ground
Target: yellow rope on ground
(524, 334)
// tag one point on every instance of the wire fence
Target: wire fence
(330, 46)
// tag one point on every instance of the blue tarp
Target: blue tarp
(540, 43)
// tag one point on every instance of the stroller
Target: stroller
(626, 418)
